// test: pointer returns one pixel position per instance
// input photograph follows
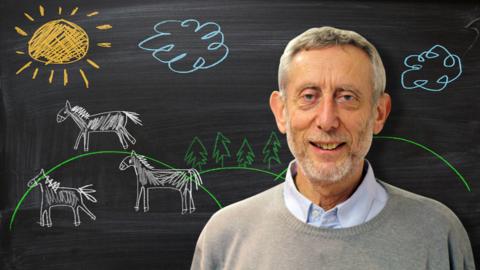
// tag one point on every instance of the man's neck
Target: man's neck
(329, 194)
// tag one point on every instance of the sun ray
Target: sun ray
(74, 11)
(104, 44)
(59, 10)
(104, 27)
(50, 79)
(20, 31)
(35, 74)
(19, 52)
(65, 77)
(92, 14)
(93, 64)
(41, 10)
(28, 16)
(84, 77)
(24, 67)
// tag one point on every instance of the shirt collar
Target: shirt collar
(353, 211)
(298, 204)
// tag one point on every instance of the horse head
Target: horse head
(34, 181)
(64, 113)
(127, 161)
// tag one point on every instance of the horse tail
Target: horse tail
(85, 191)
(134, 117)
(196, 177)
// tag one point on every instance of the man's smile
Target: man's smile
(328, 149)
(327, 146)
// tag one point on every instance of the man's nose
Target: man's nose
(327, 115)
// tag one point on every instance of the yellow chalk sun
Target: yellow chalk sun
(59, 42)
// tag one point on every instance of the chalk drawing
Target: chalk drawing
(277, 176)
(270, 150)
(220, 149)
(54, 195)
(438, 61)
(245, 155)
(196, 155)
(149, 178)
(173, 47)
(473, 26)
(59, 42)
(113, 121)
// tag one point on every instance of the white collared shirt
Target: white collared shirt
(365, 203)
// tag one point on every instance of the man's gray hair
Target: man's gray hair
(326, 36)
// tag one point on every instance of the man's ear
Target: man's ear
(383, 107)
(277, 105)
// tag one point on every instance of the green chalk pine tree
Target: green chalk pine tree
(220, 149)
(245, 155)
(196, 154)
(270, 151)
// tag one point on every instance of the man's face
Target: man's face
(328, 113)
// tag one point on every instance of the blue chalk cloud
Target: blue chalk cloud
(187, 46)
(431, 70)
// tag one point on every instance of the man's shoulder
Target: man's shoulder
(414, 206)
(259, 202)
(248, 210)
(417, 217)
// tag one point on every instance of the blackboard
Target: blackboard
(215, 100)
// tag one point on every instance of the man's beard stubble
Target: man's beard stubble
(340, 171)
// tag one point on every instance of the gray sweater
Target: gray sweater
(411, 232)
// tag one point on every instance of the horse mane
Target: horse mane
(51, 183)
(81, 112)
(144, 162)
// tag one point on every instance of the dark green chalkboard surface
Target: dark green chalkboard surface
(102, 101)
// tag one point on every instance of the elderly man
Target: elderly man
(331, 212)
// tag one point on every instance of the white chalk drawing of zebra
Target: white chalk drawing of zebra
(114, 121)
(149, 178)
(53, 195)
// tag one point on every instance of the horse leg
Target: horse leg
(147, 207)
(86, 140)
(139, 196)
(87, 211)
(42, 217)
(145, 199)
(184, 202)
(49, 217)
(137, 200)
(122, 139)
(80, 134)
(128, 135)
(192, 204)
(125, 142)
(76, 216)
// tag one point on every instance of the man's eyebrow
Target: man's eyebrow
(349, 87)
(309, 85)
